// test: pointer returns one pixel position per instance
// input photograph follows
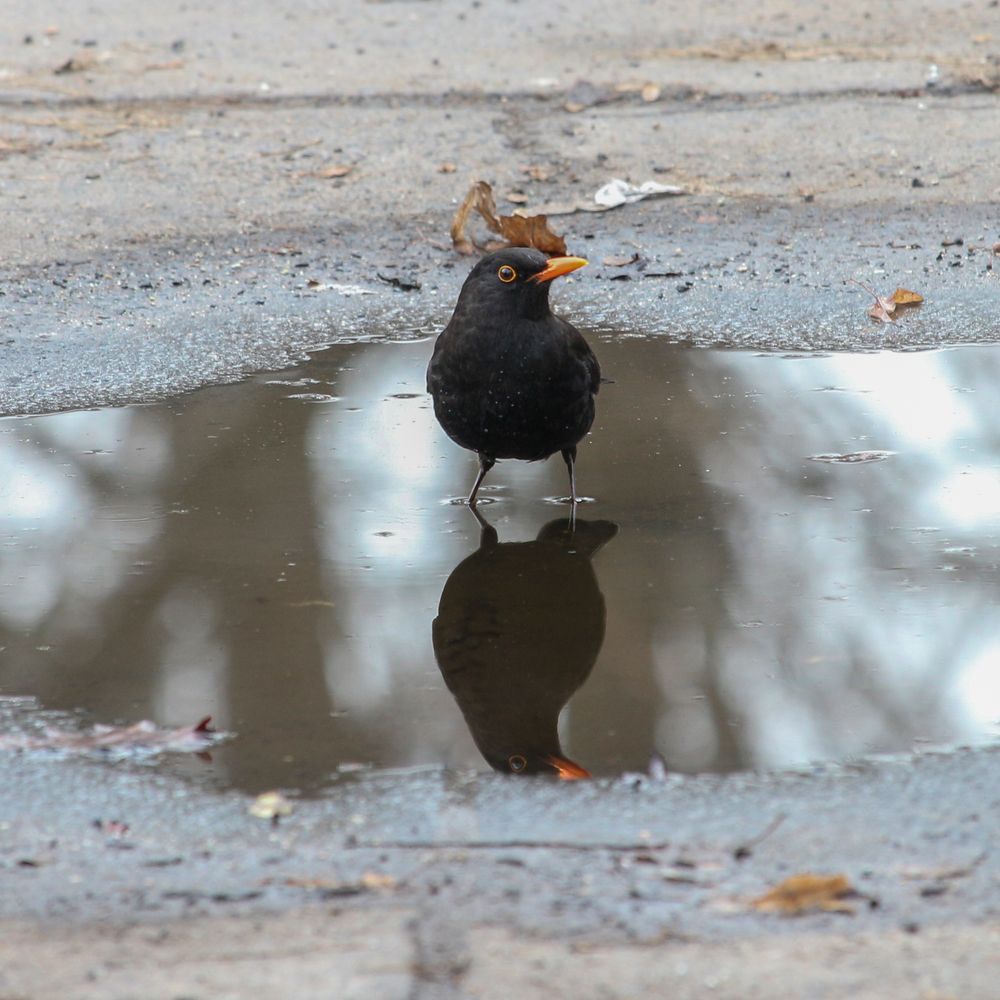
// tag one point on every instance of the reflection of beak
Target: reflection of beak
(557, 266)
(566, 769)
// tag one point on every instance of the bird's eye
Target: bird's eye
(517, 763)
(507, 274)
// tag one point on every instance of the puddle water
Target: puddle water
(789, 559)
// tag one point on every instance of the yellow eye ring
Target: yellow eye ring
(507, 274)
(516, 763)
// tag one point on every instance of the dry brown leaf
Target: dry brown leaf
(531, 231)
(801, 893)
(515, 230)
(904, 297)
(885, 305)
(882, 309)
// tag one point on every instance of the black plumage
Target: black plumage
(509, 378)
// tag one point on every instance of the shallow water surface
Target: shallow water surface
(786, 560)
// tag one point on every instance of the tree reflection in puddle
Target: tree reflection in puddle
(277, 562)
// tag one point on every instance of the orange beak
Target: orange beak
(566, 769)
(557, 266)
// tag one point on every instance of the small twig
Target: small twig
(745, 849)
(500, 845)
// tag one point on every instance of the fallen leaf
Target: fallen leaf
(885, 305)
(882, 309)
(270, 805)
(139, 738)
(904, 297)
(531, 231)
(620, 261)
(802, 893)
(515, 230)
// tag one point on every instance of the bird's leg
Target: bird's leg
(485, 464)
(569, 456)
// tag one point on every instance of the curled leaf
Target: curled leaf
(801, 893)
(885, 305)
(514, 230)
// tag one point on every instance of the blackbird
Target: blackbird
(518, 630)
(509, 378)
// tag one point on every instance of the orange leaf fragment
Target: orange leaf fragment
(885, 305)
(904, 297)
(801, 893)
(515, 230)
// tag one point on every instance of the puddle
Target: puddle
(745, 591)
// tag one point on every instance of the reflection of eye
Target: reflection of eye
(507, 274)
(517, 763)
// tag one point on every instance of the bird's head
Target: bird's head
(528, 762)
(517, 280)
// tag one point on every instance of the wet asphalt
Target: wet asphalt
(147, 255)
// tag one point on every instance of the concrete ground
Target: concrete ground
(177, 210)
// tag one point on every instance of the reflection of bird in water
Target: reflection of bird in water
(518, 630)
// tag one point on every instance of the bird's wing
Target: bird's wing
(581, 349)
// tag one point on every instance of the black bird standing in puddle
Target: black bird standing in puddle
(518, 630)
(509, 378)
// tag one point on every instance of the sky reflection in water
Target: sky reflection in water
(274, 553)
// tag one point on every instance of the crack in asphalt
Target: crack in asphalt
(678, 95)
